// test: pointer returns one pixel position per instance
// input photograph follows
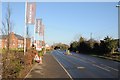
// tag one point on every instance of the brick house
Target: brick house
(16, 41)
(39, 44)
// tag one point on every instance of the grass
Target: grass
(114, 56)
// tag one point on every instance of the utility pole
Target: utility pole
(118, 31)
(118, 6)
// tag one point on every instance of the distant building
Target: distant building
(39, 44)
(47, 47)
(16, 41)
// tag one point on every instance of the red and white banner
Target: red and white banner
(41, 33)
(38, 24)
(30, 13)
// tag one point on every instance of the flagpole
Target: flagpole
(34, 31)
(25, 29)
(44, 38)
(40, 30)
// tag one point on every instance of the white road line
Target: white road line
(87, 60)
(101, 67)
(63, 67)
(83, 61)
(80, 67)
(110, 67)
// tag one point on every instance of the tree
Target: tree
(96, 48)
(84, 45)
(7, 26)
(81, 39)
(73, 46)
(61, 46)
(109, 44)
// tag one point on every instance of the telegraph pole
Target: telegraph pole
(118, 6)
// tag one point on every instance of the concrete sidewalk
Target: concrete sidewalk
(1, 66)
(49, 69)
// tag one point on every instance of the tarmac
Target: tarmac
(50, 68)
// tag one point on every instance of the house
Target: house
(39, 44)
(16, 41)
(47, 47)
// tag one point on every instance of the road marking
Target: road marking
(85, 60)
(101, 67)
(110, 67)
(63, 68)
(80, 67)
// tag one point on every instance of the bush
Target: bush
(15, 62)
(11, 66)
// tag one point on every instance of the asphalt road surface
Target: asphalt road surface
(86, 66)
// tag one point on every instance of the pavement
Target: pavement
(49, 69)
(0, 66)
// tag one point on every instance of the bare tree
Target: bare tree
(7, 26)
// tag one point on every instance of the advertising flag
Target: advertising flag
(30, 13)
(41, 30)
(38, 24)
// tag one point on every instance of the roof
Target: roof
(3, 36)
(18, 36)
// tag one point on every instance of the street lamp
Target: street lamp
(118, 6)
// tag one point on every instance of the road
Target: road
(86, 66)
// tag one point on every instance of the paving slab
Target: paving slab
(49, 69)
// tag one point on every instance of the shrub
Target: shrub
(15, 61)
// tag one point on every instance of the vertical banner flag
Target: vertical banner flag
(30, 13)
(41, 30)
(38, 24)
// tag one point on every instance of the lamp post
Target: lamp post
(118, 6)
